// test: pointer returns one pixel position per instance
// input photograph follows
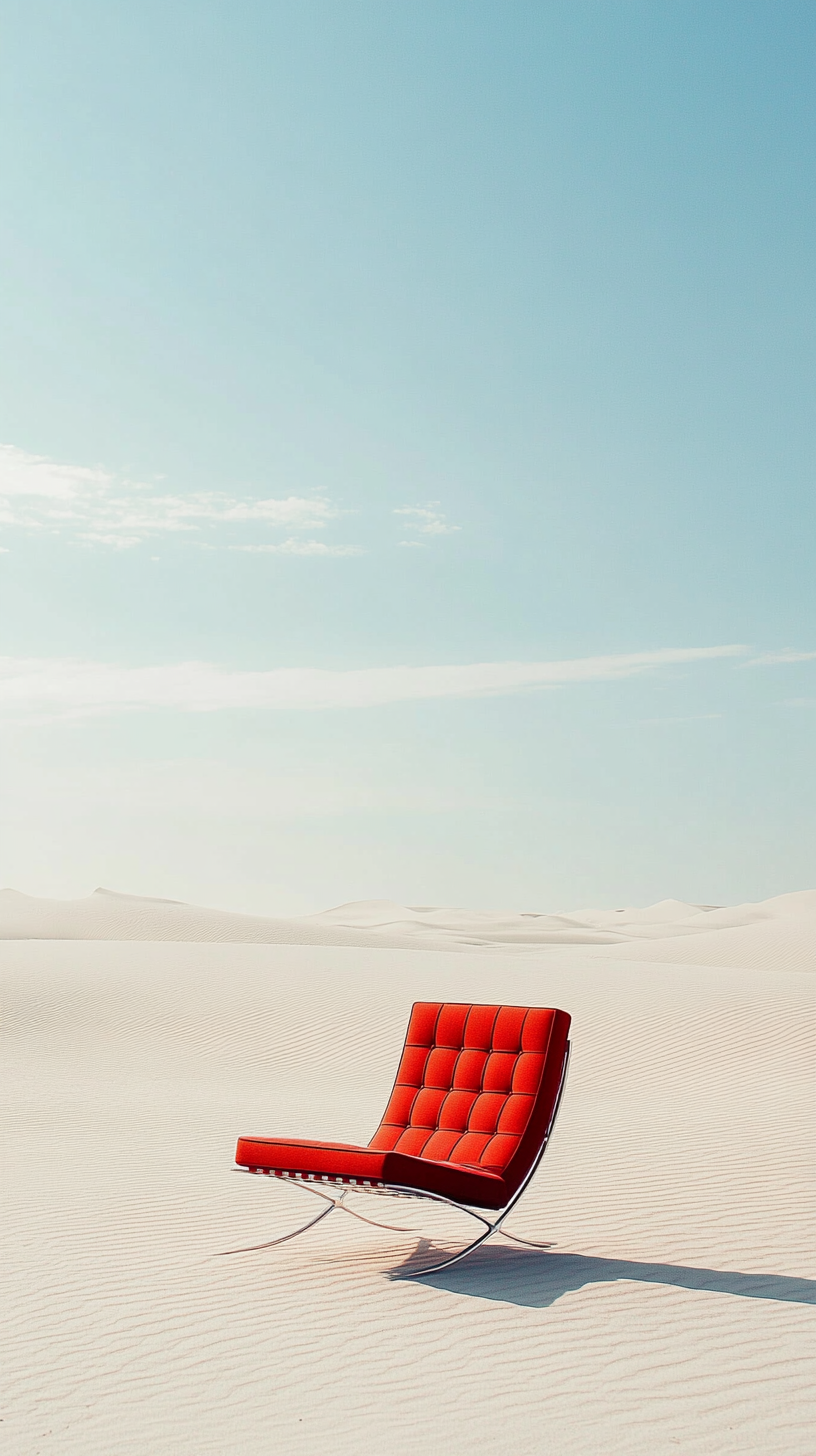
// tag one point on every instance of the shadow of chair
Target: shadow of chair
(536, 1281)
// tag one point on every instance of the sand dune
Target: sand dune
(675, 1312)
(106, 915)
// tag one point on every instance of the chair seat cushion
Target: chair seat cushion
(346, 1163)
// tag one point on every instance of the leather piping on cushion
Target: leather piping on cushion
(298, 1155)
(344, 1161)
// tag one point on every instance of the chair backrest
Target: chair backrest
(477, 1086)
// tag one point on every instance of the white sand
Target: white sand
(675, 1313)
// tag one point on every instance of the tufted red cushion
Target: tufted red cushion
(473, 1099)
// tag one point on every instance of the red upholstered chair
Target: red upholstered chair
(473, 1105)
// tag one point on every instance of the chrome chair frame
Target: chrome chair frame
(397, 1190)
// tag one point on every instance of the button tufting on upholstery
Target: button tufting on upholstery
(473, 1098)
(467, 1083)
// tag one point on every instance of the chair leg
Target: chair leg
(530, 1244)
(455, 1258)
(372, 1222)
(331, 1204)
(490, 1228)
(344, 1208)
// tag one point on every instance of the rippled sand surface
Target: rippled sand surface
(675, 1311)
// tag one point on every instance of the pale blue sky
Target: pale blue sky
(348, 337)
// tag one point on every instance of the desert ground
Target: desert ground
(674, 1311)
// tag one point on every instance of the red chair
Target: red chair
(473, 1106)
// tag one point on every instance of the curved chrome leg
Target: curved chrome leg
(352, 1211)
(372, 1222)
(446, 1263)
(490, 1228)
(529, 1242)
(331, 1204)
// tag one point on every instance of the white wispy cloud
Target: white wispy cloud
(427, 520)
(97, 508)
(785, 654)
(293, 547)
(65, 687)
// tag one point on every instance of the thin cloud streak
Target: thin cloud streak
(785, 654)
(293, 547)
(95, 508)
(38, 689)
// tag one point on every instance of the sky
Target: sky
(406, 484)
